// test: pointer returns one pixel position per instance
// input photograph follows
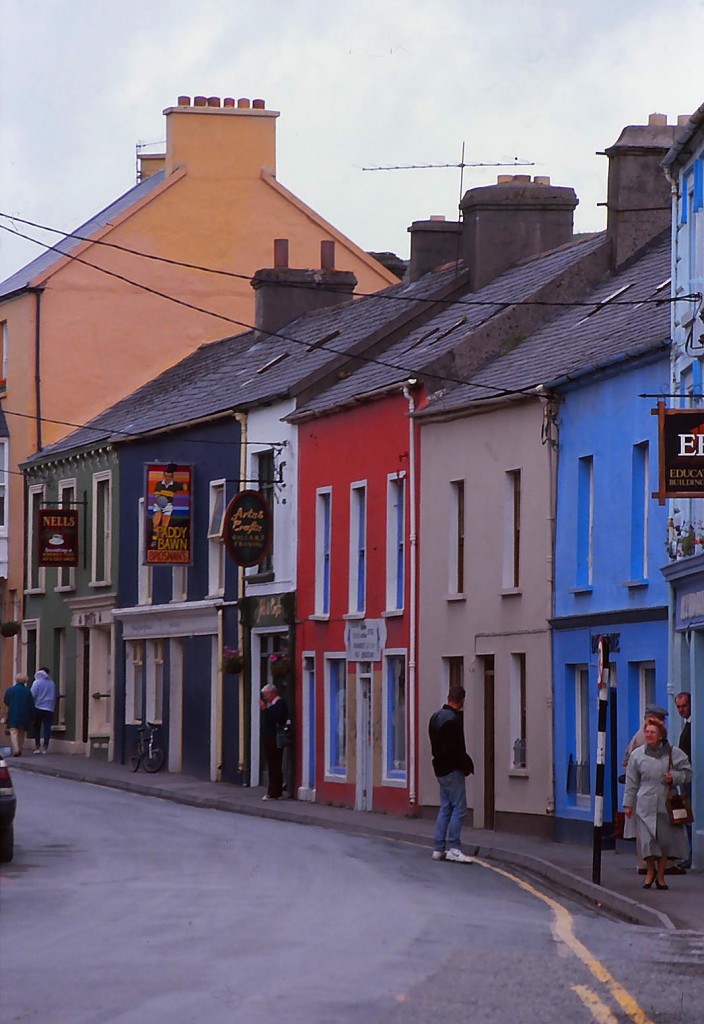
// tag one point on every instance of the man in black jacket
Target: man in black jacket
(274, 714)
(451, 764)
(683, 703)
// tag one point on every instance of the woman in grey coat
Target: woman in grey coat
(647, 778)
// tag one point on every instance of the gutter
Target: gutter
(413, 575)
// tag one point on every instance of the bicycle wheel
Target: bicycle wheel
(135, 758)
(154, 761)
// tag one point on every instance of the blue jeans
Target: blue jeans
(42, 727)
(453, 807)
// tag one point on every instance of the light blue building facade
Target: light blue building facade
(609, 550)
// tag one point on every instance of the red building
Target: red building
(356, 600)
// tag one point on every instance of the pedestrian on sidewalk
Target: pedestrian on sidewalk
(651, 769)
(637, 740)
(20, 712)
(683, 703)
(44, 694)
(451, 764)
(274, 713)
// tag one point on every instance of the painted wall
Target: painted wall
(488, 619)
(364, 444)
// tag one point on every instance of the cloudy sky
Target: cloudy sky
(357, 84)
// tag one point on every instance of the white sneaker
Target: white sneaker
(37, 751)
(458, 857)
(438, 855)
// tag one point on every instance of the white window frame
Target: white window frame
(100, 479)
(646, 686)
(309, 695)
(4, 341)
(518, 708)
(357, 601)
(393, 776)
(581, 725)
(155, 681)
(336, 773)
(179, 583)
(67, 572)
(456, 580)
(32, 491)
(4, 480)
(216, 546)
(323, 552)
(395, 542)
(512, 521)
(60, 650)
(134, 687)
(145, 572)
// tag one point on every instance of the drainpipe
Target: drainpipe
(241, 418)
(552, 447)
(37, 363)
(413, 554)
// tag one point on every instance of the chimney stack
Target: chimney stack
(282, 294)
(434, 242)
(512, 220)
(638, 203)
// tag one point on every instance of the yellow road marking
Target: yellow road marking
(599, 1011)
(563, 929)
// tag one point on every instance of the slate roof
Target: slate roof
(424, 345)
(24, 277)
(249, 369)
(576, 342)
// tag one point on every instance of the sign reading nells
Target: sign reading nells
(681, 453)
(247, 528)
(57, 532)
(168, 489)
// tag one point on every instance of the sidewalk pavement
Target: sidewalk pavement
(564, 867)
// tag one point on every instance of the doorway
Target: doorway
(365, 761)
(489, 743)
(264, 644)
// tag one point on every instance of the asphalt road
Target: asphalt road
(121, 909)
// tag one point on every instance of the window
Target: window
(512, 530)
(216, 547)
(585, 520)
(3, 486)
(66, 577)
(60, 676)
(394, 715)
(395, 540)
(646, 686)
(323, 508)
(308, 745)
(134, 703)
(144, 572)
(640, 495)
(358, 548)
(578, 784)
(265, 477)
(454, 673)
(336, 718)
(155, 680)
(179, 583)
(101, 531)
(35, 576)
(456, 583)
(3, 356)
(518, 711)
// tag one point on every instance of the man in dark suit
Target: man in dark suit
(683, 703)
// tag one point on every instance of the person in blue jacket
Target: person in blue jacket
(20, 711)
(44, 694)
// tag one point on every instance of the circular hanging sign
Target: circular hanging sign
(247, 528)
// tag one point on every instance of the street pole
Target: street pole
(603, 684)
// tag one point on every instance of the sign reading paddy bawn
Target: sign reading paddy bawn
(168, 514)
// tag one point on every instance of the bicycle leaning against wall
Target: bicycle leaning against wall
(146, 750)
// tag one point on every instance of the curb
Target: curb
(601, 899)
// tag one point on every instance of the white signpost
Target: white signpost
(365, 639)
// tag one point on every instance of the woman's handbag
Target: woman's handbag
(679, 809)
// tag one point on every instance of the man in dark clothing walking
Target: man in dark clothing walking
(274, 716)
(451, 764)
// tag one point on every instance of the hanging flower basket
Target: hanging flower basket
(232, 661)
(10, 628)
(279, 665)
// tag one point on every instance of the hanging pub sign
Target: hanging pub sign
(681, 453)
(247, 528)
(57, 533)
(167, 520)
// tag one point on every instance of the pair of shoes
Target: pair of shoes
(648, 885)
(37, 751)
(661, 885)
(438, 855)
(458, 857)
(675, 869)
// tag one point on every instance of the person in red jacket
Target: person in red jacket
(451, 764)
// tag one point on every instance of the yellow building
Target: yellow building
(85, 325)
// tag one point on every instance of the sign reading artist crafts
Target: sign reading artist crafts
(57, 532)
(247, 528)
(167, 522)
(681, 453)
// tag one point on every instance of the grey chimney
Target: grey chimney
(434, 242)
(638, 194)
(512, 220)
(282, 294)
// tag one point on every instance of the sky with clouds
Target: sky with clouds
(82, 82)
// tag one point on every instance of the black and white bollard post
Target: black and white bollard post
(603, 685)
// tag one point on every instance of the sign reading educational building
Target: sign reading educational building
(168, 489)
(681, 451)
(57, 531)
(247, 528)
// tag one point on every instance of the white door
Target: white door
(363, 790)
